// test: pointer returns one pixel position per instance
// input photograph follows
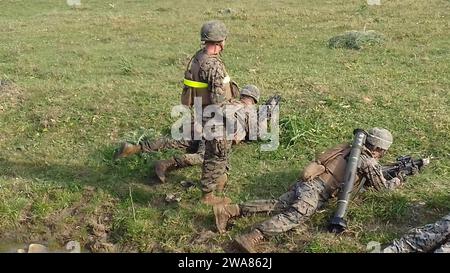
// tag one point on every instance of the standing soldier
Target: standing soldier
(320, 181)
(207, 79)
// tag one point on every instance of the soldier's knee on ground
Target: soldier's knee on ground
(304, 207)
(307, 198)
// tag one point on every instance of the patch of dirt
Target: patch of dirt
(203, 237)
(91, 226)
(10, 95)
(46, 118)
(229, 247)
(98, 223)
(207, 240)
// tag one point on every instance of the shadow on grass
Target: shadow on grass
(99, 170)
(268, 185)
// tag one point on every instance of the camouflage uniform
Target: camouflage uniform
(432, 237)
(306, 197)
(320, 180)
(148, 146)
(211, 70)
(195, 149)
(217, 150)
(206, 78)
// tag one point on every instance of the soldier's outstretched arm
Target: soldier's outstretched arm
(371, 169)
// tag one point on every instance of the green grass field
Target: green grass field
(86, 79)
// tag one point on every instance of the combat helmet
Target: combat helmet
(379, 137)
(213, 31)
(251, 91)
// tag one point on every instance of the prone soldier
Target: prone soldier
(249, 96)
(320, 181)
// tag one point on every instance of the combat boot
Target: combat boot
(210, 199)
(127, 149)
(247, 242)
(164, 166)
(221, 182)
(223, 213)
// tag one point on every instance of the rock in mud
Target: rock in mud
(73, 247)
(37, 248)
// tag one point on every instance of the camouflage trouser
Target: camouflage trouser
(188, 160)
(292, 208)
(215, 163)
(148, 146)
(423, 239)
(195, 149)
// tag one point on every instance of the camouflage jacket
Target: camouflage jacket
(212, 71)
(370, 172)
(330, 167)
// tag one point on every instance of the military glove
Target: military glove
(414, 171)
(402, 176)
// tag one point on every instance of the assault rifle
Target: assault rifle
(406, 165)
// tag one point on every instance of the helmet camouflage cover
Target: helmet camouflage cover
(379, 137)
(251, 91)
(213, 31)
